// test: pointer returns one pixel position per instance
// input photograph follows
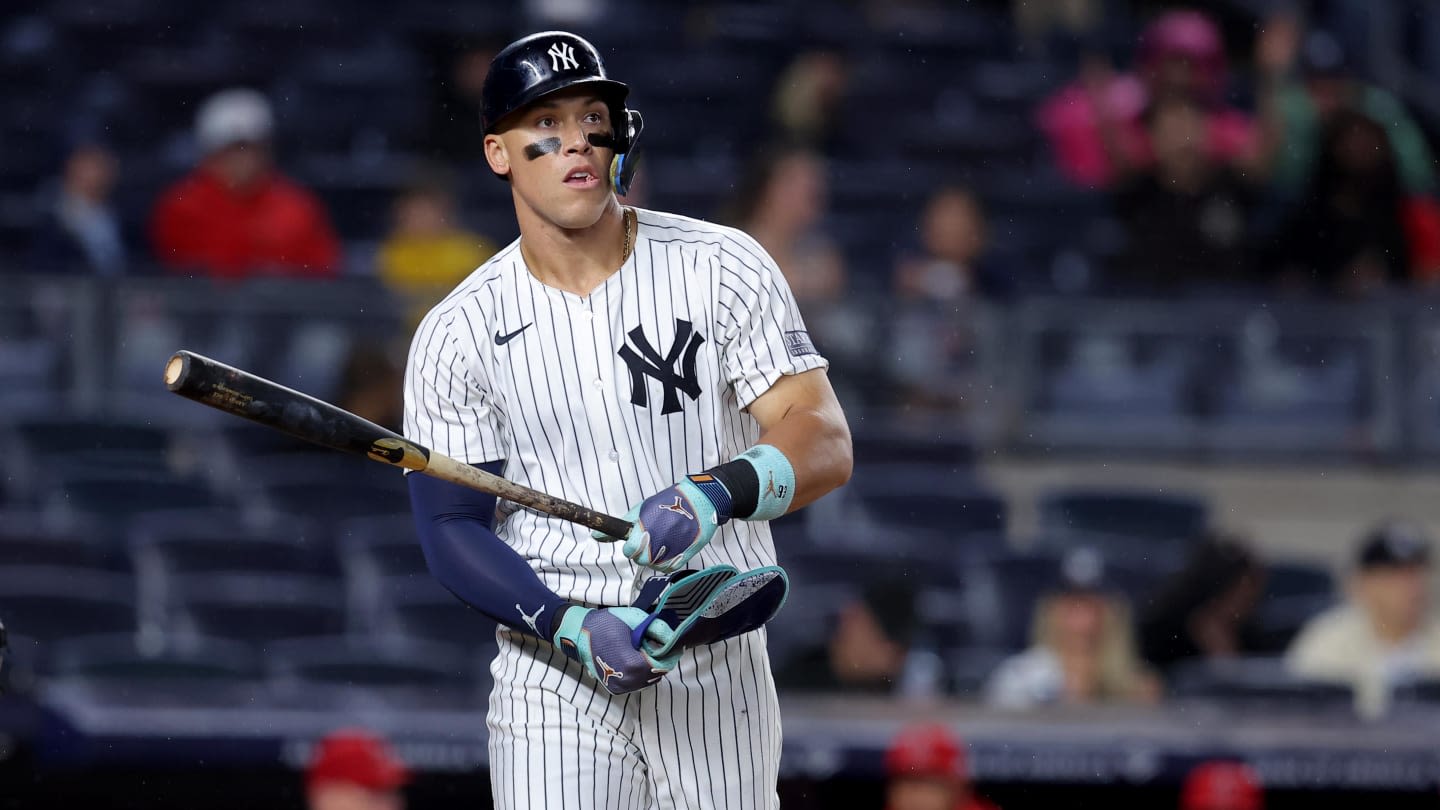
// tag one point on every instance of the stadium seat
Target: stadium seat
(28, 539)
(420, 608)
(111, 499)
(340, 673)
(1148, 519)
(258, 609)
(119, 658)
(342, 662)
(1001, 594)
(1259, 681)
(1295, 592)
(169, 547)
(915, 498)
(329, 486)
(969, 668)
(48, 603)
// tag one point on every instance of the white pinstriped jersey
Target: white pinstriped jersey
(608, 398)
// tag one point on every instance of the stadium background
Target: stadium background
(192, 602)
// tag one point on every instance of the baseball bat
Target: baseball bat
(268, 403)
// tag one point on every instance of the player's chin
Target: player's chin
(576, 210)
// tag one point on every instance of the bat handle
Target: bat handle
(613, 527)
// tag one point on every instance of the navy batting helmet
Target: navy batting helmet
(535, 66)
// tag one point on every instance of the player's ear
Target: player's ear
(497, 155)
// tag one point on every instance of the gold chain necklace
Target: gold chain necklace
(629, 218)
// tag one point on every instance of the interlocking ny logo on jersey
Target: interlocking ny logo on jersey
(644, 362)
(562, 57)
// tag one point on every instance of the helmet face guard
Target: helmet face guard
(533, 67)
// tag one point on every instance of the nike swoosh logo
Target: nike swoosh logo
(501, 340)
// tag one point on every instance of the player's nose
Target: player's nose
(577, 141)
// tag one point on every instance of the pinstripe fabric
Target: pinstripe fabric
(508, 368)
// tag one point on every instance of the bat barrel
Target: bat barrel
(259, 400)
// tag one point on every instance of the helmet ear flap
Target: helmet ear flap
(628, 131)
(627, 160)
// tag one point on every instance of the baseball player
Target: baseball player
(640, 363)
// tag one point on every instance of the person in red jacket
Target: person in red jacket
(1221, 785)
(927, 770)
(235, 215)
(354, 769)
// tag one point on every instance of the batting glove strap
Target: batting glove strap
(601, 639)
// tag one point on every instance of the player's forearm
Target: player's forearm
(816, 440)
(465, 555)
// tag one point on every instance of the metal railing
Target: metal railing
(1190, 378)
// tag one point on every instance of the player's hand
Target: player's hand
(671, 526)
(605, 641)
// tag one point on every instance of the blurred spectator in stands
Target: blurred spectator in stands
(1219, 785)
(352, 769)
(807, 98)
(926, 769)
(1207, 609)
(933, 338)
(371, 384)
(427, 252)
(1042, 22)
(454, 135)
(236, 215)
(782, 202)
(953, 263)
(1082, 649)
(868, 647)
(1384, 637)
(1186, 212)
(80, 231)
(1358, 229)
(1096, 123)
(565, 13)
(1298, 108)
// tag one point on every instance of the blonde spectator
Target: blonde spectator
(1082, 649)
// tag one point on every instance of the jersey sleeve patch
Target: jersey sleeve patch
(798, 343)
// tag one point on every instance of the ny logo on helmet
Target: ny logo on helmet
(562, 56)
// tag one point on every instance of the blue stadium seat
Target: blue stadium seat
(969, 668)
(1001, 595)
(385, 545)
(1295, 592)
(48, 603)
(338, 487)
(341, 674)
(1259, 681)
(55, 436)
(259, 609)
(955, 513)
(167, 548)
(27, 539)
(371, 663)
(421, 608)
(1153, 517)
(119, 658)
(113, 498)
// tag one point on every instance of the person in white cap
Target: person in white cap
(235, 215)
(1384, 636)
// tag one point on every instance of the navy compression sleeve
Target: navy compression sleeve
(463, 552)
